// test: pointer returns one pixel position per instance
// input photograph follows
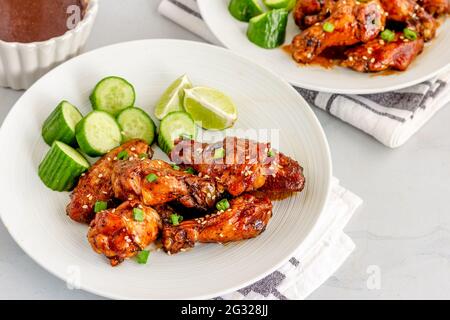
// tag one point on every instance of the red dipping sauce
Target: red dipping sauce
(38, 20)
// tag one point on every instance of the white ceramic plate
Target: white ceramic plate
(232, 33)
(35, 216)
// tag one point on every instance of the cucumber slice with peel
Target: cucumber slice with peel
(135, 123)
(268, 30)
(280, 4)
(113, 94)
(61, 167)
(174, 126)
(60, 124)
(244, 10)
(98, 133)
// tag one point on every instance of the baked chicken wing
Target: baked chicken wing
(96, 185)
(435, 7)
(156, 182)
(241, 165)
(308, 12)
(413, 15)
(350, 21)
(378, 55)
(246, 218)
(117, 233)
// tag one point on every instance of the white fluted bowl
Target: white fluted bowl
(21, 64)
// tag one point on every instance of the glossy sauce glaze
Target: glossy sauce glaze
(38, 20)
(325, 60)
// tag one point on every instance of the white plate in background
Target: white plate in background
(232, 33)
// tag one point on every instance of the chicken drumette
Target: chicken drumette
(241, 165)
(156, 182)
(350, 22)
(246, 218)
(378, 55)
(120, 234)
(308, 12)
(96, 185)
(412, 15)
(435, 7)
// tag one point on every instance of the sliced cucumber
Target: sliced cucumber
(244, 10)
(98, 133)
(280, 4)
(61, 167)
(135, 123)
(113, 94)
(172, 127)
(268, 30)
(60, 124)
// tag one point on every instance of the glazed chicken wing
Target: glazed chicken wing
(352, 22)
(413, 15)
(435, 7)
(131, 180)
(378, 55)
(246, 218)
(118, 235)
(95, 185)
(240, 165)
(287, 178)
(308, 12)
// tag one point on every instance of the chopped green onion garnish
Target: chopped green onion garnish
(388, 35)
(143, 156)
(100, 206)
(271, 153)
(190, 170)
(142, 256)
(138, 214)
(219, 153)
(151, 177)
(175, 167)
(410, 34)
(328, 27)
(175, 219)
(123, 155)
(185, 136)
(222, 205)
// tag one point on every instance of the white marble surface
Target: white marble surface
(402, 232)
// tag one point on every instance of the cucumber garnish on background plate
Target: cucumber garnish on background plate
(112, 95)
(268, 30)
(60, 124)
(244, 10)
(61, 167)
(98, 133)
(135, 123)
(280, 4)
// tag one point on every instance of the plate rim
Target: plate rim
(308, 110)
(202, 4)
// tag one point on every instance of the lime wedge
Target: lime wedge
(280, 4)
(210, 108)
(172, 99)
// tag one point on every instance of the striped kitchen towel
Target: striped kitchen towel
(392, 117)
